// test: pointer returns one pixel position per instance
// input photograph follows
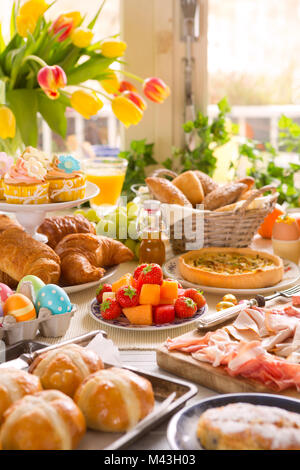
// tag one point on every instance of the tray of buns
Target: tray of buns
(106, 406)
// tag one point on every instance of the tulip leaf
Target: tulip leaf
(13, 26)
(54, 114)
(93, 22)
(23, 104)
(90, 69)
(2, 92)
(2, 42)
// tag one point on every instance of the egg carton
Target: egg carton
(49, 326)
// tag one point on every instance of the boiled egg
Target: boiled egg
(286, 228)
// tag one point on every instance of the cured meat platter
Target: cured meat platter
(200, 369)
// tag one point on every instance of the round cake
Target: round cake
(243, 426)
(231, 268)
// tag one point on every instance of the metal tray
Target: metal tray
(162, 387)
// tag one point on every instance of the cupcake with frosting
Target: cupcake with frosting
(5, 163)
(67, 181)
(25, 183)
(39, 155)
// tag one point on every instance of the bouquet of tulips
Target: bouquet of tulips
(44, 69)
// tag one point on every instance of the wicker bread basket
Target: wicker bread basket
(235, 228)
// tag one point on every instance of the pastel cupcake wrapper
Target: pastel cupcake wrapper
(28, 194)
(68, 189)
(1, 190)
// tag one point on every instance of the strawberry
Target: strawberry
(110, 309)
(138, 271)
(100, 291)
(196, 296)
(127, 296)
(163, 314)
(185, 307)
(179, 285)
(151, 274)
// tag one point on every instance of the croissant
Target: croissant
(56, 228)
(6, 222)
(84, 255)
(20, 255)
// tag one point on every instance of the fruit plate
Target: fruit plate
(291, 275)
(182, 429)
(108, 273)
(123, 322)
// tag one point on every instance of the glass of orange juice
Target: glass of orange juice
(108, 173)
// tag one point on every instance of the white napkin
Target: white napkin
(106, 349)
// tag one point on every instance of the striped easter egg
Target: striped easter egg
(20, 307)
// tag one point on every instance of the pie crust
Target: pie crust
(269, 272)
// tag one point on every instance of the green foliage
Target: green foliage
(208, 136)
(139, 157)
(264, 165)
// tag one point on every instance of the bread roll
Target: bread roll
(223, 196)
(114, 400)
(48, 420)
(163, 190)
(14, 385)
(65, 368)
(248, 181)
(191, 187)
(208, 184)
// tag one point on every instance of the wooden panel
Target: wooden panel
(215, 378)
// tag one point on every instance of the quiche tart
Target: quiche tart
(232, 268)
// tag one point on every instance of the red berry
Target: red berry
(138, 271)
(163, 314)
(127, 296)
(151, 274)
(196, 296)
(179, 285)
(185, 307)
(110, 309)
(100, 291)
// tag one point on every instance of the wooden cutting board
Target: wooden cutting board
(215, 378)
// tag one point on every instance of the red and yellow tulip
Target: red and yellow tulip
(127, 86)
(156, 90)
(64, 25)
(51, 79)
(112, 48)
(7, 123)
(126, 111)
(86, 103)
(136, 99)
(82, 37)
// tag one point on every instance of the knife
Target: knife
(26, 359)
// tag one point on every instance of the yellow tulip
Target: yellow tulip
(7, 123)
(33, 8)
(111, 84)
(126, 111)
(75, 16)
(112, 48)
(86, 103)
(82, 37)
(25, 25)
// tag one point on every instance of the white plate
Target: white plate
(109, 273)
(291, 275)
(123, 323)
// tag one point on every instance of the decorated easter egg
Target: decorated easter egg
(19, 307)
(5, 292)
(35, 281)
(54, 298)
(286, 228)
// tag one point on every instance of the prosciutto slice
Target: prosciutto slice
(244, 348)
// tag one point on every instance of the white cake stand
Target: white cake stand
(31, 216)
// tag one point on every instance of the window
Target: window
(253, 60)
(102, 131)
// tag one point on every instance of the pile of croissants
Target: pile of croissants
(195, 187)
(65, 391)
(73, 255)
